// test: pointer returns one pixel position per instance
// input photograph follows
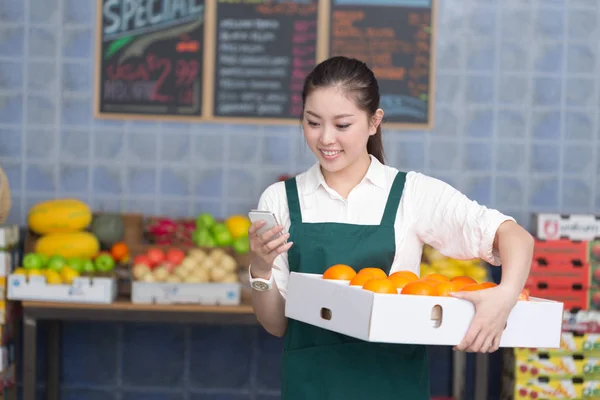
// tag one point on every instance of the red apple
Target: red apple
(156, 256)
(596, 300)
(175, 256)
(522, 392)
(142, 259)
(523, 368)
(534, 371)
(596, 251)
(533, 395)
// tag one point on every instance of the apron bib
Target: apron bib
(323, 365)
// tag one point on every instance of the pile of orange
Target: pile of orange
(406, 282)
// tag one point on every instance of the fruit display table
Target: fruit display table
(119, 311)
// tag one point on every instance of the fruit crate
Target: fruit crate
(98, 290)
(566, 226)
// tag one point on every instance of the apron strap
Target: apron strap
(291, 190)
(391, 207)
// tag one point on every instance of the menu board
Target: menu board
(395, 41)
(264, 50)
(246, 60)
(150, 57)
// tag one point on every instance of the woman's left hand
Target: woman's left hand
(492, 308)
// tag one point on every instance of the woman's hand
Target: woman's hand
(266, 247)
(492, 308)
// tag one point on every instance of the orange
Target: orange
(361, 279)
(400, 280)
(119, 251)
(376, 272)
(465, 280)
(487, 285)
(421, 288)
(524, 295)
(379, 285)
(340, 272)
(445, 288)
(408, 274)
(472, 288)
(436, 277)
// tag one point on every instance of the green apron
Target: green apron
(323, 365)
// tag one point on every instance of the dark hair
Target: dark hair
(356, 79)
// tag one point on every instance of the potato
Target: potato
(230, 278)
(189, 263)
(173, 279)
(217, 254)
(217, 274)
(161, 274)
(197, 254)
(228, 263)
(140, 270)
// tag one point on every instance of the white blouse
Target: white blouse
(430, 211)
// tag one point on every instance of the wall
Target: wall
(516, 129)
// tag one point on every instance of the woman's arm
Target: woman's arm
(269, 306)
(515, 247)
(5, 201)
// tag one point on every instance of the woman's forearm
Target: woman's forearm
(269, 307)
(515, 246)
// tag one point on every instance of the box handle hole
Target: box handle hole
(437, 315)
(326, 313)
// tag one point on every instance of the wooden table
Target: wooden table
(120, 311)
(125, 311)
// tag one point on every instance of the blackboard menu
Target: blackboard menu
(150, 57)
(264, 50)
(395, 42)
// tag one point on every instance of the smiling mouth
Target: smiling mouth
(331, 153)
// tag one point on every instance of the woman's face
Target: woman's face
(335, 129)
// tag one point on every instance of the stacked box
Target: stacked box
(569, 372)
(9, 241)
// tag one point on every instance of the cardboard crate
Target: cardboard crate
(336, 306)
(98, 290)
(563, 251)
(572, 299)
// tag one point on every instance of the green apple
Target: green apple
(205, 221)
(221, 235)
(88, 267)
(76, 264)
(33, 261)
(56, 263)
(203, 238)
(45, 259)
(241, 245)
(104, 263)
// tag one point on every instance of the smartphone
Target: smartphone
(268, 217)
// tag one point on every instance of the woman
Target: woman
(350, 208)
(4, 197)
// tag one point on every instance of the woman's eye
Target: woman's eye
(343, 126)
(311, 123)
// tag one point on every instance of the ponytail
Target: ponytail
(375, 146)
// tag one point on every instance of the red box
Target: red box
(556, 282)
(572, 299)
(561, 251)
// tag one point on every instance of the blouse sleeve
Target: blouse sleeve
(274, 199)
(450, 222)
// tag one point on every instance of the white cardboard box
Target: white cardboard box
(186, 293)
(82, 290)
(573, 226)
(336, 306)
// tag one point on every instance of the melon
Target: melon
(108, 228)
(59, 216)
(69, 245)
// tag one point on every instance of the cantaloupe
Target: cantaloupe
(59, 216)
(69, 245)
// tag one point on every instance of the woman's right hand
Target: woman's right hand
(266, 247)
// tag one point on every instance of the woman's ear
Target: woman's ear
(376, 121)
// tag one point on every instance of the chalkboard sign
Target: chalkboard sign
(396, 42)
(150, 58)
(264, 50)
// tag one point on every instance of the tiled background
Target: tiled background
(516, 128)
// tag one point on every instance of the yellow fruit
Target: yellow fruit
(69, 245)
(20, 271)
(426, 270)
(53, 277)
(59, 216)
(238, 225)
(35, 272)
(67, 275)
